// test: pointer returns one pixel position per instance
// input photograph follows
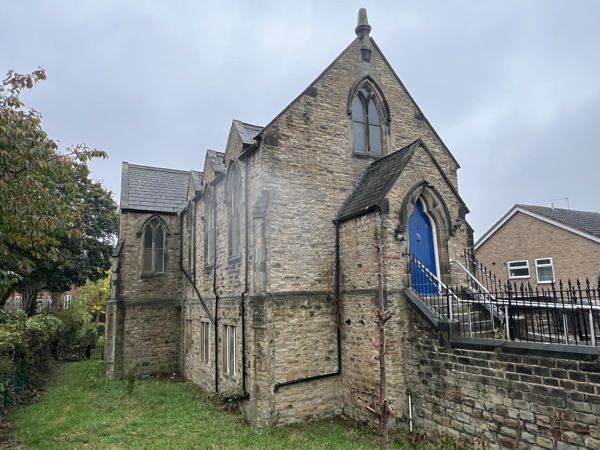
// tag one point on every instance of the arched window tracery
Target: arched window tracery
(153, 246)
(366, 122)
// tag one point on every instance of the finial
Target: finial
(362, 27)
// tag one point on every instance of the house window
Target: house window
(153, 252)
(518, 269)
(67, 301)
(366, 124)
(205, 342)
(233, 210)
(229, 350)
(209, 229)
(544, 269)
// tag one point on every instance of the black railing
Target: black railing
(436, 295)
(78, 353)
(485, 277)
(566, 313)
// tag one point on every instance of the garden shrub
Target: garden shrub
(78, 328)
(25, 354)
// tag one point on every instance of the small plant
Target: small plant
(229, 401)
(555, 429)
(131, 377)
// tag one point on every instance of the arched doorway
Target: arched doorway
(422, 246)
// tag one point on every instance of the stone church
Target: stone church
(256, 277)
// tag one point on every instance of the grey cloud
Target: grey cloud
(510, 86)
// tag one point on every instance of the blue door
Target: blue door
(421, 246)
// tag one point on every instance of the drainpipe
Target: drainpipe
(216, 321)
(187, 275)
(245, 393)
(338, 304)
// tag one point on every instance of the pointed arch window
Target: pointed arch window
(209, 229)
(233, 211)
(366, 123)
(153, 250)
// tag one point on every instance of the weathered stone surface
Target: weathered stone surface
(279, 292)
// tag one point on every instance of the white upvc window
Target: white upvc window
(229, 350)
(518, 269)
(544, 269)
(67, 300)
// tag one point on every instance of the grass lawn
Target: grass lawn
(82, 410)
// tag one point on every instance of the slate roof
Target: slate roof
(217, 160)
(246, 131)
(376, 182)
(585, 221)
(154, 189)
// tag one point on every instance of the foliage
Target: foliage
(57, 224)
(27, 345)
(131, 376)
(82, 409)
(95, 294)
(25, 354)
(78, 328)
(38, 183)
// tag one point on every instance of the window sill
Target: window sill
(152, 274)
(366, 155)
(234, 260)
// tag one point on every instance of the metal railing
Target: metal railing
(563, 313)
(438, 297)
(78, 353)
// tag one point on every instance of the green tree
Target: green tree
(95, 294)
(56, 224)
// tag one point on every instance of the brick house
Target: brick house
(256, 276)
(46, 301)
(538, 245)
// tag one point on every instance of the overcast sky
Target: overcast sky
(513, 87)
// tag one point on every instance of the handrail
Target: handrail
(493, 310)
(421, 266)
(480, 268)
(452, 261)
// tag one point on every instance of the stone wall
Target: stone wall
(143, 316)
(310, 169)
(526, 238)
(294, 337)
(486, 398)
(151, 336)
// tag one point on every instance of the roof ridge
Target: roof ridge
(162, 169)
(247, 123)
(396, 152)
(554, 209)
